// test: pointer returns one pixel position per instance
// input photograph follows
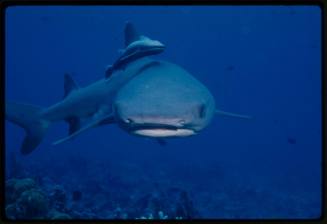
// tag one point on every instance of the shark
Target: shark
(148, 97)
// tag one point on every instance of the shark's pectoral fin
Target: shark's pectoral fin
(99, 119)
(224, 113)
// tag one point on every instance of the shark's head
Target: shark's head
(163, 100)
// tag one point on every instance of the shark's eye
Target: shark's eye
(202, 111)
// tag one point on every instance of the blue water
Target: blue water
(263, 61)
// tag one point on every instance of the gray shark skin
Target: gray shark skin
(145, 97)
(149, 98)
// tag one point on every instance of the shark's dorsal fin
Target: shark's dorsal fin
(131, 34)
(69, 85)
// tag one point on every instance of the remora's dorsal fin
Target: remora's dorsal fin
(220, 112)
(69, 85)
(131, 33)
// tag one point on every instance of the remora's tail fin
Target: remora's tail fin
(27, 116)
(220, 112)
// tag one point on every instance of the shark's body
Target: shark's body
(146, 97)
(149, 98)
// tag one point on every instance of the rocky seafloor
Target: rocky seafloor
(111, 192)
(26, 199)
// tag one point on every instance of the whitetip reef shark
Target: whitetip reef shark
(143, 96)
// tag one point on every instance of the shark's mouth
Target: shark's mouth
(160, 130)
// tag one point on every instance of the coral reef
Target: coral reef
(105, 193)
(15, 187)
(165, 204)
(53, 214)
(32, 203)
(26, 200)
(58, 198)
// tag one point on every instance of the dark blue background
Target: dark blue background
(263, 61)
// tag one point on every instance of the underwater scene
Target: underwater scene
(163, 112)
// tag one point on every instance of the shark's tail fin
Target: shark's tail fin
(28, 117)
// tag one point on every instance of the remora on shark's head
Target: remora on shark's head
(148, 98)
(136, 46)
